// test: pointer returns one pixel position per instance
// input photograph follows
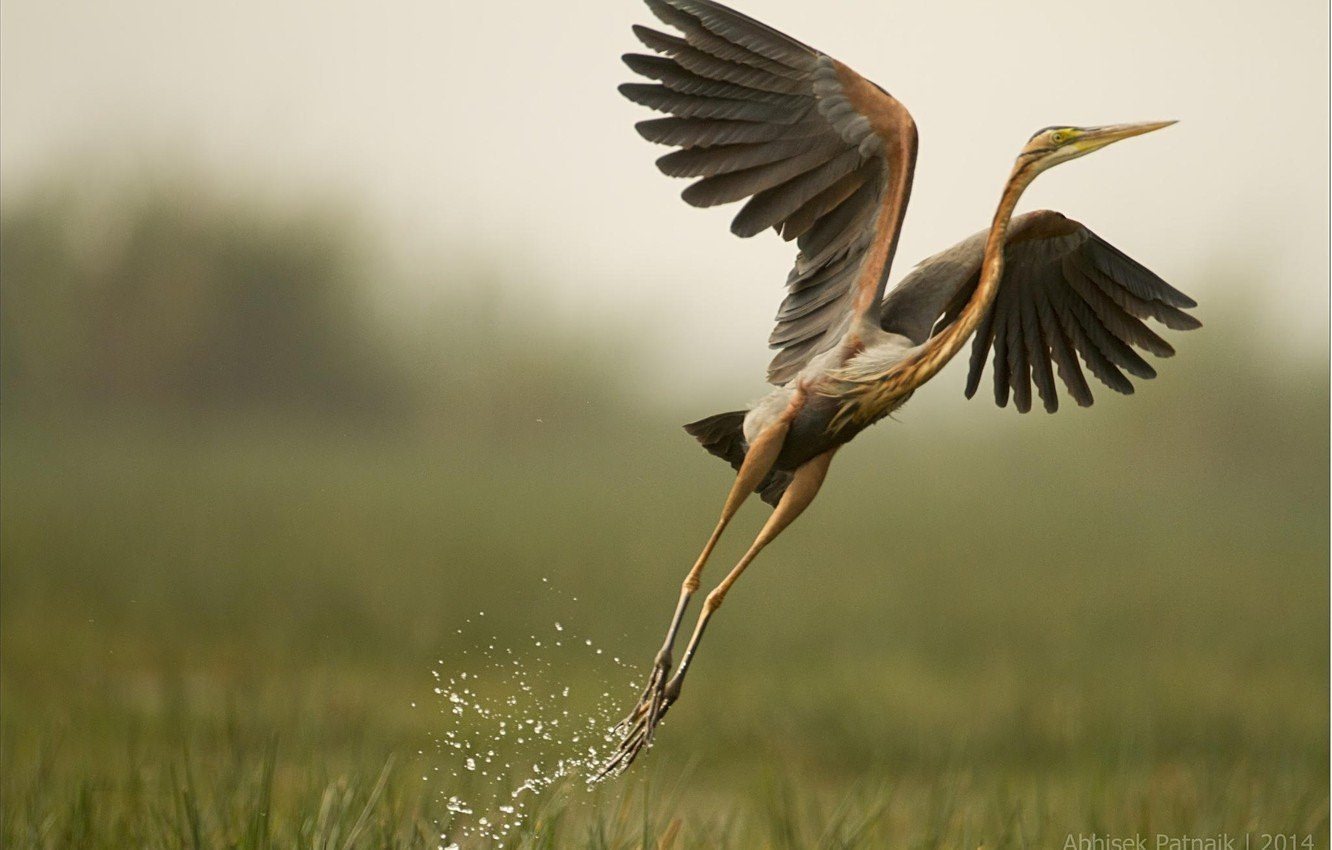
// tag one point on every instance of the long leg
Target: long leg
(758, 462)
(802, 490)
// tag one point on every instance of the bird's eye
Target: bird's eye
(1058, 137)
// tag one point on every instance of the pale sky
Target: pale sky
(493, 129)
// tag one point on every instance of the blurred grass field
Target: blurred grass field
(229, 566)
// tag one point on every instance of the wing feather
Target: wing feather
(800, 222)
(727, 159)
(1170, 316)
(1062, 353)
(706, 65)
(1038, 354)
(843, 232)
(762, 118)
(757, 37)
(701, 38)
(1092, 355)
(1066, 294)
(663, 99)
(983, 340)
(738, 185)
(702, 133)
(675, 78)
(772, 206)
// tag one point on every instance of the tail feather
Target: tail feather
(724, 436)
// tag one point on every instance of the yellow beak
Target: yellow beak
(1099, 137)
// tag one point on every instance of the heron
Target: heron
(825, 158)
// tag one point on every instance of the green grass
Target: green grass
(994, 634)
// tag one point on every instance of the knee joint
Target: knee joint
(714, 600)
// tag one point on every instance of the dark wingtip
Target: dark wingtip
(973, 380)
(644, 128)
(647, 35)
(745, 229)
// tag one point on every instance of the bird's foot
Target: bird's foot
(637, 728)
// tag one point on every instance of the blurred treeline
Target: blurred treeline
(168, 297)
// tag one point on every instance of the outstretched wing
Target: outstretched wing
(816, 149)
(1066, 293)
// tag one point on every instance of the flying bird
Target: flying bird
(825, 158)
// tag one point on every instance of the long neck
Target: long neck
(878, 394)
(929, 358)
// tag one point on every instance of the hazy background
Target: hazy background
(327, 327)
(493, 129)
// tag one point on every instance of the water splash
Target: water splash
(514, 722)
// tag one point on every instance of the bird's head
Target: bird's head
(1053, 145)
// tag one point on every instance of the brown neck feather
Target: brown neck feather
(939, 349)
(873, 397)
